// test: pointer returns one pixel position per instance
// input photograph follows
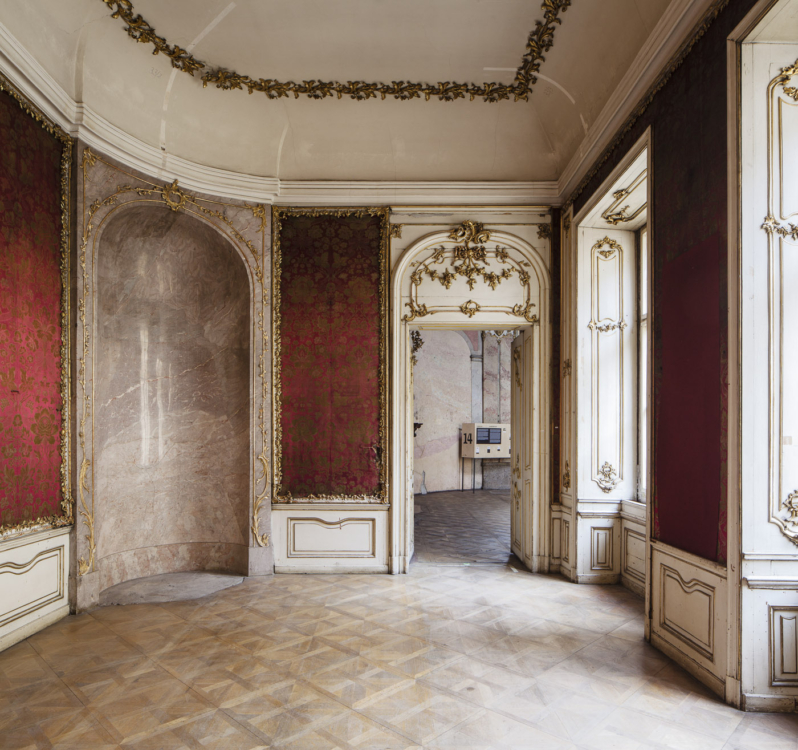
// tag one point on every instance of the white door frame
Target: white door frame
(401, 511)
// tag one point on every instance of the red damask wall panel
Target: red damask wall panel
(30, 317)
(330, 285)
(689, 233)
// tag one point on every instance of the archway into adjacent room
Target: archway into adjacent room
(472, 278)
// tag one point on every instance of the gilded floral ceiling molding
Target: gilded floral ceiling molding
(540, 40)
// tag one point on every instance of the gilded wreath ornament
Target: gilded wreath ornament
(540, 41)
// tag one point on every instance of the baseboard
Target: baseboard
(605, 579)
(330, 570)
(713, 682)
(781, 704)
(635, 586)
(20, 634)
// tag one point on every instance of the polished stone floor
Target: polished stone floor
(446, 657)
(459, 527)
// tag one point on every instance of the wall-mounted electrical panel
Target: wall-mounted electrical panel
(485, 440)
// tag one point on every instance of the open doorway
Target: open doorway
(462, 470)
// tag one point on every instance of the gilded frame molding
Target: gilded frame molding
(782, 233)
(217, 213)
(540, 40)
(278, 213)
(67, 504)
(605, 475)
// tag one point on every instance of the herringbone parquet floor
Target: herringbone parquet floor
(450, 656)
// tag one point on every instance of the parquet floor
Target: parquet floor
(476, 657)
(457, 527)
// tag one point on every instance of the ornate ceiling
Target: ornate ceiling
(466, 50)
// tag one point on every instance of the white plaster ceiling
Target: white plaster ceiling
(93, 59)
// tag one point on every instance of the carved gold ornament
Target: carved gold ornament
(470, 308)
(566, 477)
(607, 478)
(566, 368)
(615, 214)
(471, 260)
(65, 349)
(540, 41)
(396, 231)
(262, 540)
(416, 342)
(279, 494)
(517, 361)
(544, 231)
(786, 230)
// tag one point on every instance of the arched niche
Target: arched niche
(512, 290)
(171, 439)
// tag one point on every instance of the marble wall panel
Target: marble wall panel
(490, 379)
(442, 403)
(496, 369)
(505, 390)
(171, 440)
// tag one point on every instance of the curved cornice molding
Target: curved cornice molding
(82, 122)
(540, 40)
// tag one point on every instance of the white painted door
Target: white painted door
(410, 452)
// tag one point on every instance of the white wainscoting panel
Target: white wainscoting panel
(633, 556)
(689, 613)
(33, 583)
(784, 646)
(329, 538)
(633, 546)
(598, 548)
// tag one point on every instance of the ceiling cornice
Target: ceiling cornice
(540, 40)
(82, 122)
(672, 33)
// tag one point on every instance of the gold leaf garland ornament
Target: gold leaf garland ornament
(539, 42)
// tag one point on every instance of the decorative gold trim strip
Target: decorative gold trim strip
(278, 213)
(67, 504)
(540, 40)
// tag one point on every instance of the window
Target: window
(642, 365)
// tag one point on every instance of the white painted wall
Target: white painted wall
(442, 399)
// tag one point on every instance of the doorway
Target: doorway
(462, 446)
(469, 279)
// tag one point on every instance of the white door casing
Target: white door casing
(512, 290)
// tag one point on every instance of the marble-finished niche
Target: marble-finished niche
(442, 403)
(171, 397)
